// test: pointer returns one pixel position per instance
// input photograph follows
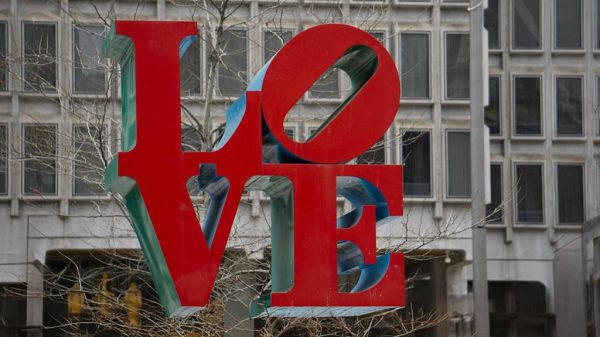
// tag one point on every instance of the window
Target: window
(457, 66)
(597, 106)
(233, 70)
(530, 194)
(39, 57)
(3, 58)
(414, 65)
(458, 158)
(375, 155)
(327, 86)
(416, 157)
(190, 67)
(567, 16)
(569, 106)
(492, 23)
(13, 309)
(3, 159)
(526, 24)
(518, 309)
(88, 166)
(88, 68)
(274, 40)
(570, 194)
(597, 24)
(528, 109)
(39, 166)
(492, 111)
(495, 210)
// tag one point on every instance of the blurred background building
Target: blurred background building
(59, 124)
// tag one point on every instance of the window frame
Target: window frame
(501, 119)
(72, 68)
(57, 179)
(7, 195)
(596, 109)
(7, 90)
(447, 197)
(555, 48)
(504, 201)
(23, 86)
(512, 31)
(568, 225)
(216, 90)
(405, 3)
(398, 52)
(203, 71)
(429, 131)
(264, 30)
(515, 198)
(445, 99)
(72, 194)
(500, 31)
(513, 102)
(555, 134)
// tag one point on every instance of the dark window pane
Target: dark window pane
(457, 66)
(3, 58)
(499, 327)
(494, 210)
(530, 194)
(190, 68)
(526, 21)
(529, 297)
(375, 155)
(13, 309)
(274, 40)
(492, 111)
(39, 57)
(416, 158)
(528, 106)
(570, 194)
(459, 164)
(233, 71)
(569, 107)
(492, 24)
(415, 65)
(88, 166)
(568, 24)
(88, 68)
(597, 23)
(3, 159)
(39, 159)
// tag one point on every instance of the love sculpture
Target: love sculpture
(311, 246)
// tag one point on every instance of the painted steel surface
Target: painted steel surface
(310, 245)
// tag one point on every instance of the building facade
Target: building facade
(59, 100)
